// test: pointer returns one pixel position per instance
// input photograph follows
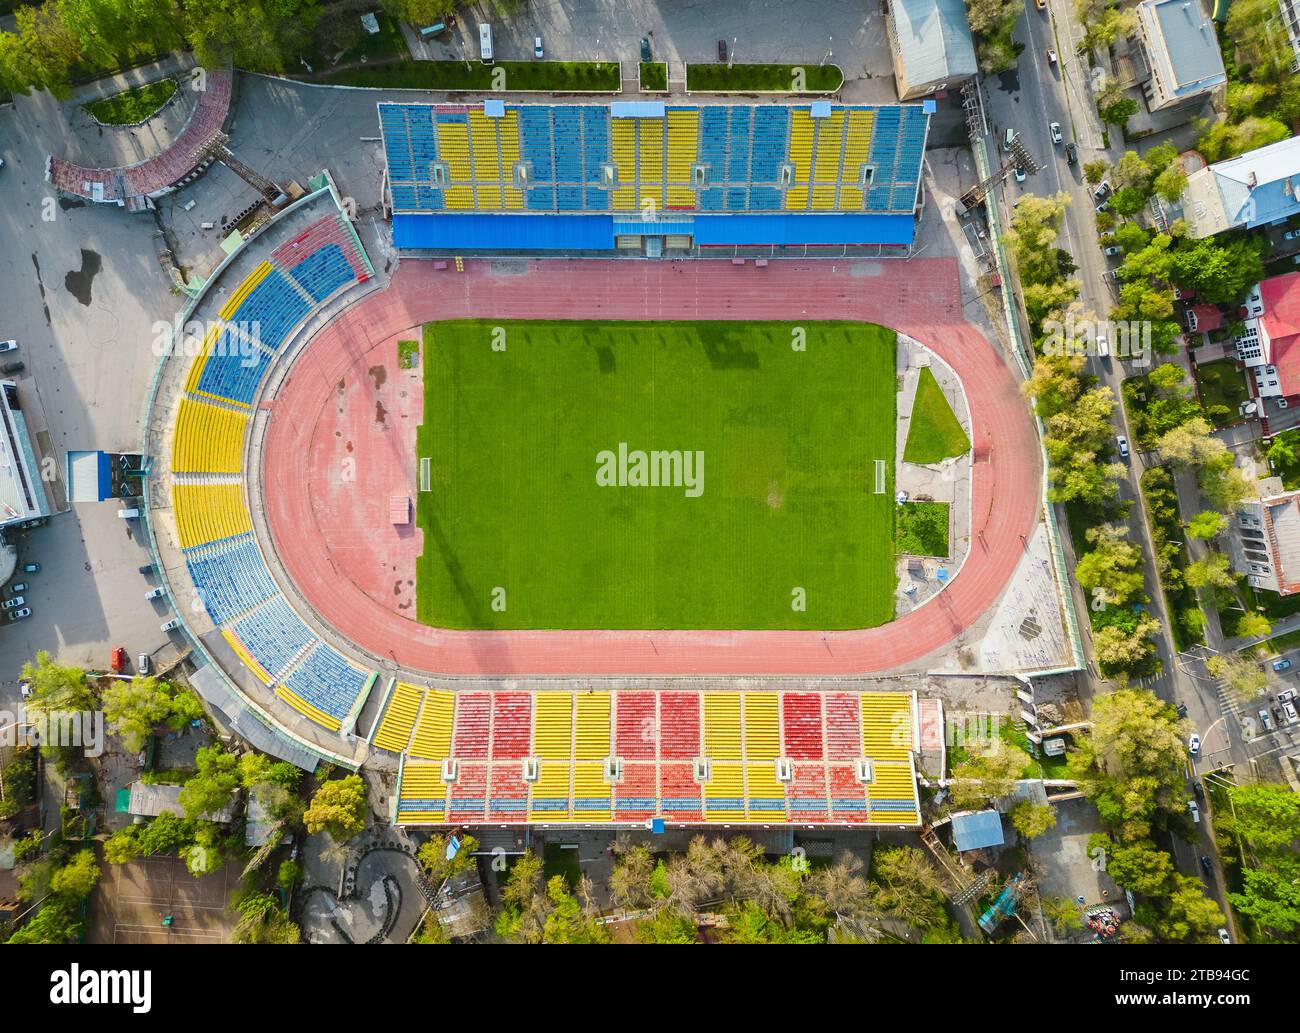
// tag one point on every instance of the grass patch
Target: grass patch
(923, 528)
(339, 39)
(788, 442)
(559, 860)
(546, 76)
(719, 78)
(1222, 389)
(654, 76)
(1278, 644)
(408, 354)
(126, 109)
(935, 433)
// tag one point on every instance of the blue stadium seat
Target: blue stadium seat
(274, 634)
(327, 681)
(229, 576)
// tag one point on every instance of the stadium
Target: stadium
(372, 493)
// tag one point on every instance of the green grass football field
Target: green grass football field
(776, 524)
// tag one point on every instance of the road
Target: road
(1028, 100)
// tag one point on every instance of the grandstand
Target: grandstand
(648, 176)
(213, 524)
(622, 757)
(133, 186)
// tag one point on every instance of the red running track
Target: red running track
(920, 297)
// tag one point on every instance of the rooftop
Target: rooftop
(1184, 44)
(975, 830)
(934, 39)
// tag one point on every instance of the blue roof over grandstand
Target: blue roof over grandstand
(673, 160)
(597, 232)
(977, 830)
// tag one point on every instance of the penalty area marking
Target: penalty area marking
(426, 477)
(880, 476)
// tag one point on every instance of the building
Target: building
(1257, 188)
(1178, 44)
(650, 179)
(22, 491)
(1269, 346)
(977, 830)
(1265, 539)
(931, 46)
(142, 800)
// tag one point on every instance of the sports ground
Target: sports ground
(709, 474)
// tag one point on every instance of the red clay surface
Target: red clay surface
(335, 540)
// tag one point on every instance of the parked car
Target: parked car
(1111, 250)
(155, 593)
(142, 663)
(10, 368)
(1266, 720)
(31, 568)
(1181, 710)
(1122, 442)
(8, 346)
(1291, 235)
(537, 47)
(20, 587)
(1224, 937)
(17, 615)
(1207, 866)
(1055, 129)
(1103, 207)
(1194, 744)
(1051, 55)
(172, 624)
(722, 51)
(1194, 811)
(117, 660)
(146, 568)
(1198, 789)
(645, 48)
(1289, 712)
(1103, 190)
(1285, 695)
(1071, 153)
(128, 514)
(10, 604)
(1020, 174)
(1282, 665)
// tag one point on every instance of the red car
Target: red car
(118, 660)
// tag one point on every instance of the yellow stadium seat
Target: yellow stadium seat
(399, 717)
(208, 512)
(303, 707)
(722, 725)
(591, 739)
(208, 438)
(553, 725)
(886, 725)
(726, 783)
(762, 730)
(432, 740)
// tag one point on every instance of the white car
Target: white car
(1103, 346)
(1122, 443)
(537, 47)
(1020, 174)
(25, 687)
(1194, 745)
(1266, 720)
(1194, 811)
(155, 593)
(8, 346)
(17, 615)
(142, 663)
(1289, 712)
(1055, 129)
(14, 603)
(1224, 937)
(1291, 235)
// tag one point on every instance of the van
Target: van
(1289, 712)
(1194, 811)
(1007, 138)
(172, 624)
(485, 44)
(129, 514)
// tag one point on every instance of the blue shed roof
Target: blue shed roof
(977, 830)
(505, 232)
(849, 228)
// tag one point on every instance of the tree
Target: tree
(212, 785)
(339, 808)
(1253, 625)
(1131, 765)
(432, 856)
(420, 12)
(1170, 184)
(1032, 820)
(1265, 814)
(989, 772)
(1191, 444)
(1211, 572)
(78, 877)
(1035, 225)
(1224, 485)
(667, 926)
(1140, 867)
(1220, 271)
(1119, 112)
(261, 920)
(1128, 647)
(908, 888)
(255, 34)
(58, 692)
(134, 708)
(1229, 139)
(567, 921)
(1095, 171)
(630, 881)
(1190, 914)
(1112, 571)
(1207, 525)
